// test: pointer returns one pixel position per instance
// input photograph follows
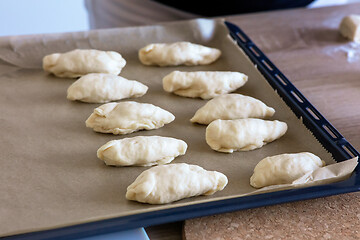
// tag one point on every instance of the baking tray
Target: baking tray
(326, 134)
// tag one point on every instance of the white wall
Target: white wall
(18, 17)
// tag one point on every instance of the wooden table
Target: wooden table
(306, 46)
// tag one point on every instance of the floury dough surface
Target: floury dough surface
(141, 151)
(232, 106)
(178, 53)
(79, 62)
(284, 168)
(169, 183)
(102, 88)
(128, 117)
(203, 84)
(243, 134)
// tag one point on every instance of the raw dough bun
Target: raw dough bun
(232, 106)
(141, 151)
(169, 183)
(103, 87)
(242, 134)
(178, 53)
(127, 117)
(284, 168)
(349, 27)
(80, 62)
(206, 85)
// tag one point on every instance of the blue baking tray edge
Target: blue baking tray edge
(327, 135)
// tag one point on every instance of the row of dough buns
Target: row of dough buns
(79, 62)
(98, 71)
(229, 130)
(99, 83)
(168, 183)
(127, 117)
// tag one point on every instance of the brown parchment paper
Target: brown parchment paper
(49, 173)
